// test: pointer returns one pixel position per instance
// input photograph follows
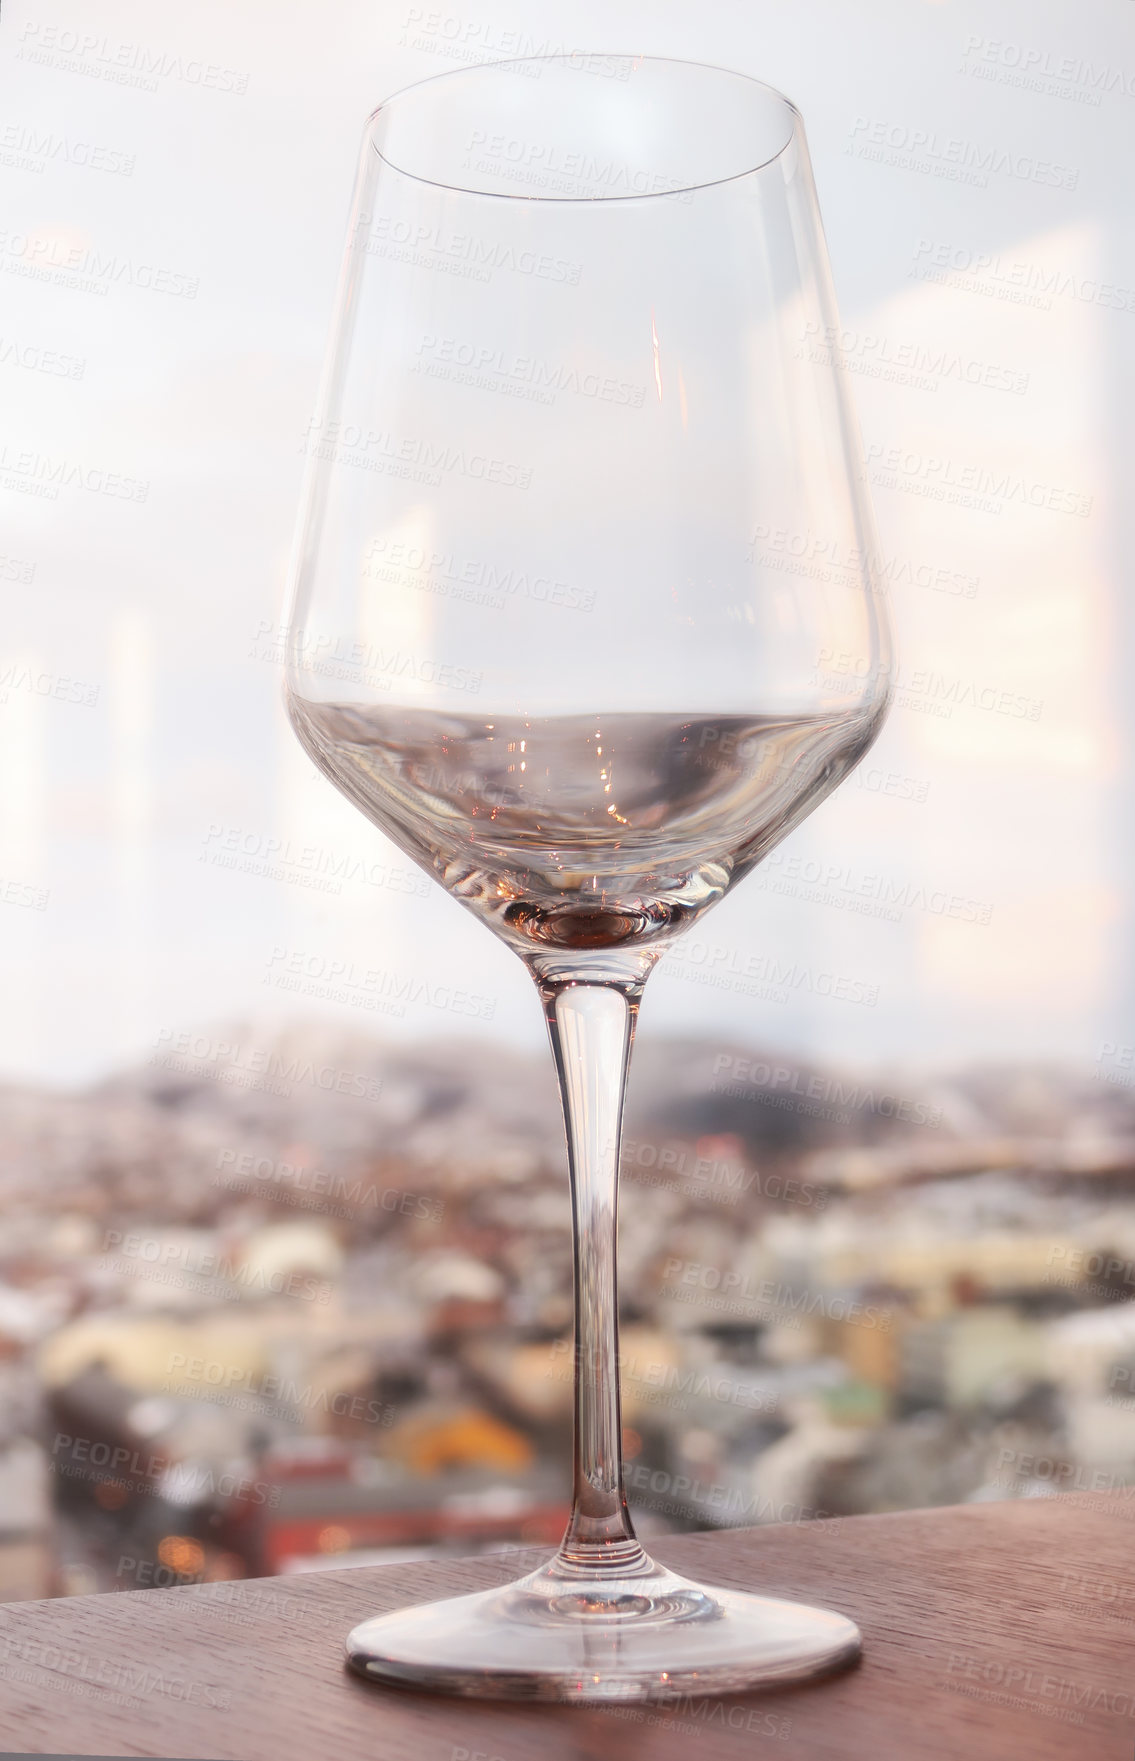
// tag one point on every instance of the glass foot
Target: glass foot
(645, 1635)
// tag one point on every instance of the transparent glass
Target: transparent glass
(587, 616)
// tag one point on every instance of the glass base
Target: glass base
(648, 1635)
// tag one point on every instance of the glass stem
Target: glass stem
(592, 1029)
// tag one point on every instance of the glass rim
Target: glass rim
(572, 57)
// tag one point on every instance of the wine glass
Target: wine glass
(587, 615)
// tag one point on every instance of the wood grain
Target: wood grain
(996, 1632)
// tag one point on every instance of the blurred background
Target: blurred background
(284, 1263)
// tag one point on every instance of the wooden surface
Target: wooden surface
(995, 1632)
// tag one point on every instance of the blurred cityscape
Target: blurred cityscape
(277, 1301)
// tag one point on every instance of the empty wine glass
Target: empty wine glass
(586, 617)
